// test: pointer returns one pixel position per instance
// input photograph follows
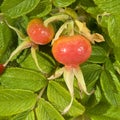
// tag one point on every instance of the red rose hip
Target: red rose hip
(1, 68)
(39, 33)
(71, 50)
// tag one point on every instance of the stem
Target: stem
(71, 12)
(60, 17)
(41, 92)
(26, 44)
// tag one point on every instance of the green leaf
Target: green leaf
(45, 111)
(91, 74)
(109, 87)
(90, 7)
(113, 29)
(109, 6)
(5, 118)
(95, 98)
(61, 98)
(117, 54)
(17, 8)
(100, 117)
(27, 115)
(109, 65)
(31, 116)
(16, 101)
(99, 109)
(62, 3)
(1, 2)
(103, 111)
(5, 40)
(116, 81)
(98, 55)
(46, 62)
(19, 78)
(113, 112)
(42, 9)
(117, 66)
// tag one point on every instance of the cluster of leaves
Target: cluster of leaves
(27, 94)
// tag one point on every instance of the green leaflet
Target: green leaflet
(113, 29)
(19, 78)
(45, 111)
(62, 3)
(113, 112)
(46, 62)
(5, 118)
(109, 65)
(117, 54)
(42, 9)
(16, 8)
(109, 6)
(13, 101)
(5, 41)
(95, 98)
(100, 117)
(61, 98)
(110, 86)
(112, 21)
(31, 116)
(103, 111)
(117, 66)
(98, 55)
(91, 74)
(27, 115)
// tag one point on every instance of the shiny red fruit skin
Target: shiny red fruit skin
(1, 68)
(71, 50)
(39, 33)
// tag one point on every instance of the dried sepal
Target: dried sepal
(57, 74)
(83, 30)
(69, 80)
(25, 44)
(34, 56)
(96, 37)
(19, 33)
(81, 82)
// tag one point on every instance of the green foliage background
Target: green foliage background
(27, 94)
